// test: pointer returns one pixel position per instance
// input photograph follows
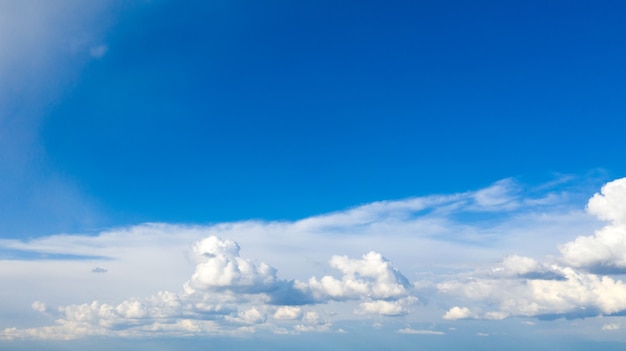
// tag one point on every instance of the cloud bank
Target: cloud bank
(230, 294)
(312, 277)
(578, 284)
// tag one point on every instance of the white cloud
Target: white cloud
(312, 328)
(609, 204)
(39, 306)
(373, 275)
(576, 294)
(520, 265)
(457, 312)
(288, 312)
(611, 327)
(387, 308)
(501, 195)
(523, 286)
(607, 248)
(420, 331)
(250, 316)
(221, 267)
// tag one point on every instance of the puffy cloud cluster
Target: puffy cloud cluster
(457, 312)
(522, 286)
(231, 294)
(373, 276)
(221, 267)
(576, 294)
(372, 279)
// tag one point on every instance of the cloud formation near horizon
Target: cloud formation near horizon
(522, 286)
(226, 292)
(230, 294)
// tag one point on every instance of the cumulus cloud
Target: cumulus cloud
(373, 275)
(222, 268)
(373, 280)
(576, 294)
(457, 312)
(387, 308)
(236, 295)
(577, 287)
(516, 266)
(606, 250)
(609, 204)
(288, 312)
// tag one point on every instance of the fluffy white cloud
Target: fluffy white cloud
(288, 312)
(372, 279)
(609, 204)
(221, 267)
(457, 312)
(387, 308)
(523, 286)
(575, 294)
(373, 275)
(606, 249)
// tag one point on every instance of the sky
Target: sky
(312, 174)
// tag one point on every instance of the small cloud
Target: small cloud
(281, 331)
(99, 270)
(457, 312)
(610, 327)
(288, 312)
(98, 51)
(529, 323)
(39, 306)
(420, 331)
(482, 334)
(495, 315)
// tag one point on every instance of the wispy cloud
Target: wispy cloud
(420, 331)
(611, 327)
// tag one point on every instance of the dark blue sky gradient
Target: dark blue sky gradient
(213, 111)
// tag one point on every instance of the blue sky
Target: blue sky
(272, 170)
